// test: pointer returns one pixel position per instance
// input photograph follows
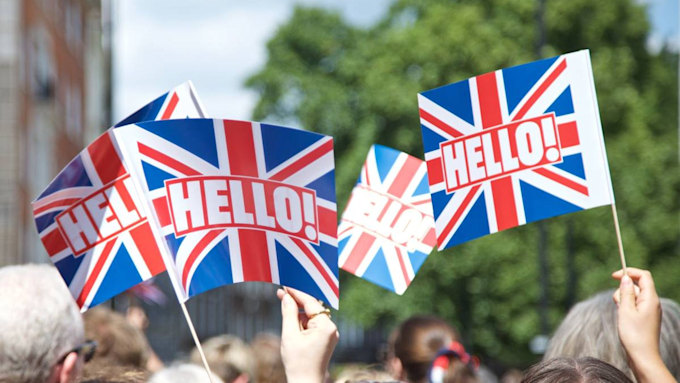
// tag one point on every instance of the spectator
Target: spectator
(570, 370)
(355, 374)
(307, 339)
(118, 342)
(228, 357)
(41, 330)
(639, 325)
(183, 373)
(268, 365)
(589, 329)
(415, 345)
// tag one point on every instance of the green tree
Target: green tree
(360, 86)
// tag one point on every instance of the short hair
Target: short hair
(360, 373)
(590, 329)
(570, 370)
(227, 356)
(268, 364)
(118, 342)
(183, 373)
(39, 322)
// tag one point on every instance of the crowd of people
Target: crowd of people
(615, 336)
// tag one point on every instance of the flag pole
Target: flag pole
(198, 343)
(618, 238)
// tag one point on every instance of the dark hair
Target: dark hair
(416, 343)
(570, 370)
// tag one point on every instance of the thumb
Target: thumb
(289, 316)
(627, 290)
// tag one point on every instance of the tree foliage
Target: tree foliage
(360, 86)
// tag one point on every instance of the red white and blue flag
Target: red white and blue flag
(238, 201)
(514, 146)
(387, 229)
(89, 218)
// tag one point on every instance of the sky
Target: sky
(218, 44)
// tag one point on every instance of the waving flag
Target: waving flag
(514, 146)
(90, 219)
(239, 201)
(387, 229)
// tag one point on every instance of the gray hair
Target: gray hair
(183, 373)
(590, 329)
(39, 322)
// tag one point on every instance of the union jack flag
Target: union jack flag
(87, 218)
(514, 146)
(387, 229)
(212, 187)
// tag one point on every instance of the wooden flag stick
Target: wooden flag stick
(618, 238)
(198, 343)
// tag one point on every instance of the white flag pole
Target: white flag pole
(198, 343)
(618, 238)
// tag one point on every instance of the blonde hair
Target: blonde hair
(228, 357)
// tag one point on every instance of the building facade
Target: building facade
(54, 99)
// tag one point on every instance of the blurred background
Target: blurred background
(352, 69)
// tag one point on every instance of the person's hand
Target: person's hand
(639, 324)
(307, 339)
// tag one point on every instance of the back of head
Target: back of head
(268, 364)
(570, 370)
(415, 344)
(358, 373)
(39, 322)
(115, 374)
(118, 342)
(183, 373)
(590, 329)
(228, 357)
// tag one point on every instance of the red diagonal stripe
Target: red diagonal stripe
(106, 252)
(256, 265)
(317, 265)
(195, 252)
(166, 160)
(144, 240)
(59, 203)
(106, 162)
(562, 180)
(404, 177)
(541, 89)
(54, 242)
(241, 148)
(446, 128)
(457, 215)
(303, 161)
(171, 107)
(358, 253)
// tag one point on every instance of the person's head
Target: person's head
(268, 365)
(41, 330)
(228, 357)
(414, 346)
(118, 342)
(590, 329)
(183, 373)
(570, 370)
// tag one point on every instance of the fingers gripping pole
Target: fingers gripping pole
(618, 239)
(198, 344)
